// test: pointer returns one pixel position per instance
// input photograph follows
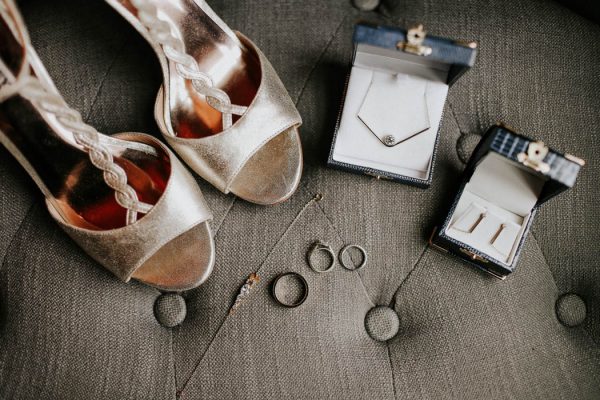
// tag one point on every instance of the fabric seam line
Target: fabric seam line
(195, 369)
(591, 337)
(17, 232)
(319, 59)
(103, 80)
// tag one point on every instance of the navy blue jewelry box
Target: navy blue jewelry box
(388, 126)
(508, 177)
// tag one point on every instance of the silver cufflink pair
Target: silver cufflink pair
(345, 258)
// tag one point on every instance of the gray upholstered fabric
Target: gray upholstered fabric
(69, 330)
(466, 145)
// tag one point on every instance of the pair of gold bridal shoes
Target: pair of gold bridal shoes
(126, 199)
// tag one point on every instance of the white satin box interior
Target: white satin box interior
(507, 179)
(394, 101)
(495, 207)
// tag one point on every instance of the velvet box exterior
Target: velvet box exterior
(554, 171)
(412, 53)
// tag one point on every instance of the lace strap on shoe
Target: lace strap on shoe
(53, 103)
(186, 65)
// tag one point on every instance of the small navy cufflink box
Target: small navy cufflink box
(394, 99)
(508, 177)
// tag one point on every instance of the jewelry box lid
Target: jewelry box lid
(559, 170)
(419, 46)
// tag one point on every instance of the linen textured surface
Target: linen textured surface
(70, 330)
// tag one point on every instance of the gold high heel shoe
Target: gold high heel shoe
(222, 106)
(126, 200)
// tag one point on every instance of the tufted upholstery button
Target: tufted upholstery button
(170, 309)
(570, 310)
(466, 145)
(366, 5)
(382, 323)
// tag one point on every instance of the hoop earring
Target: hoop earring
(353, 267)
(317, 247)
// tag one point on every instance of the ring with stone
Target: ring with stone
(317, 248)
(353, 267)
(289, 289)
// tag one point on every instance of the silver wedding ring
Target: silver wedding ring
(289, 289)
(319, 247)
(351, 266)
